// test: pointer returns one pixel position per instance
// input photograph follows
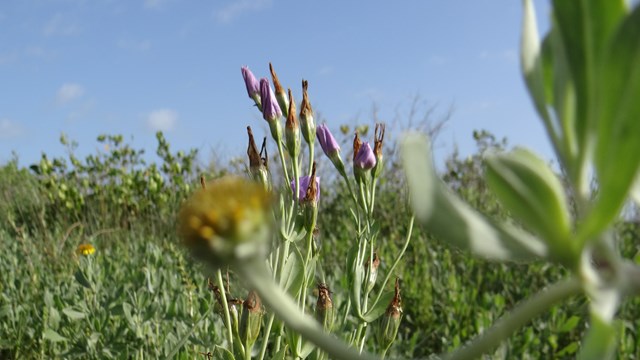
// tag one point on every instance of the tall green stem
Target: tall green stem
(267, 333)
(283, 162)
(256, 274)
(282, 257)
(225, 307)
(397, 261)
(310, 158)
(353, 195)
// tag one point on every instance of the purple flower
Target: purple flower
(253, 86)
(270, 108)
(365, 159)
(304, 185)
(327, 141)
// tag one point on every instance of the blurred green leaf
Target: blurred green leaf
(307, 348)
(378, 308)
(48, 298)
(126, 309)
(570, 324)
(355, 273)
(73, 314)
(618, 149)
(533, 194)
(292, 273)
(635, 190)
(147, 275)
(583, 29)
(51, 335)
(93, 339)
(5, 310)
(223, 353)
(54, 318)
(81, 278)
(570, 349)
(280, 355)
(533, 69)
(599, 342)
(449, 218)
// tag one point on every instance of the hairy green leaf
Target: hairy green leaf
(222, 353)
(379, 308)
(450, 219)
(584, 28)
(292, 273)
(618, 149)
(74, 315)
(51, 335)
(533, 194)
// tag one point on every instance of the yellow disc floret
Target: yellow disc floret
(226, 217)
(85, 249)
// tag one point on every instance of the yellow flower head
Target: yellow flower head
(85, 249)
(229, 218)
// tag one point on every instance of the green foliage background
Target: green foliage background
(141, 296)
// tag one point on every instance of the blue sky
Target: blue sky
(86, 67)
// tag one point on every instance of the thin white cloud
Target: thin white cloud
(372, 93)
(59, 25)
(437, 60)
(9, 129)
(238, 7)
(325, 70)
(154, 4)
(35, 51)
(133, 45)
(81, 110)
(8, 57)
(509, 55)
(69, 92)
(162, 119)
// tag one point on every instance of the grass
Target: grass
(140, 296)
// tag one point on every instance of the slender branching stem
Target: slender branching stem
(267, 332)
(256, 274)
(283, 162)
(310, 158)
(373, 196)
(397, 261)
(353, 195)
(225, 308)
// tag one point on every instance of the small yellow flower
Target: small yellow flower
(226, 218)
(85, 249)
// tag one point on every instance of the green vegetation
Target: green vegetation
(91, 266)
(140, 295)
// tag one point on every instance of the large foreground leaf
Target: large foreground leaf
(618, 149)
(533, 194)
(451, 220)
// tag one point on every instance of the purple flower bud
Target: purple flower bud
(365, 159)
(304, 185)
(327, 141)
(270, 108)
(253, 87)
